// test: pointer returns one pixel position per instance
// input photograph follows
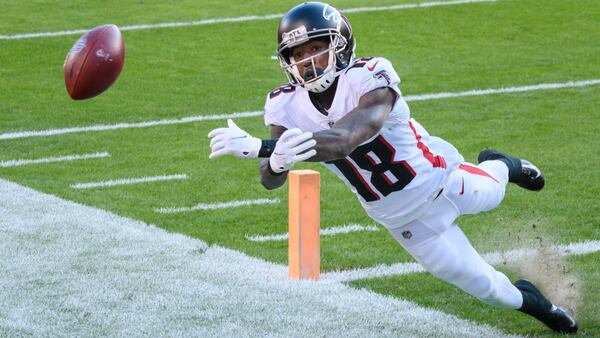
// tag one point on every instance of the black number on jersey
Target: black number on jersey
(287, 88)
(377, 157)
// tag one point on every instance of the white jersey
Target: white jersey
(396, 172)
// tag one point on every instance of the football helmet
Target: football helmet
(315, 20)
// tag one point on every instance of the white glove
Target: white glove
(289, 150)
(233, 141)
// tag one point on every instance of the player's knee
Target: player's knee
(483, 288)
(445, 269)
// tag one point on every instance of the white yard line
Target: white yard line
(105, 127)
(220, 205)
(238, 19)
(492, 258)
(344, 229)
(16, 163)
(128, 181)
(189, 119)
(479, 92)
(73, 270)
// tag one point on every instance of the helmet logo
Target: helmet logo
(332, 14)
(295, 35)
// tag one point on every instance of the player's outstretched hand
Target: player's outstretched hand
(233, 141)
(292, 147)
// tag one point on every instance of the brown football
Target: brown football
(94, 62)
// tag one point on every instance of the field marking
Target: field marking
(15, 163)
(239, 19)
(189, 119)
(128, 181)
(519, 89)
(493, 258)
(77, 270)
(106, 127)
(344, 229)
(219, 205)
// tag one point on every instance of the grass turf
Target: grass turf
(224, 68)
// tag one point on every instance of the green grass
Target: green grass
(224, 68)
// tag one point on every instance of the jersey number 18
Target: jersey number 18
(377, 157)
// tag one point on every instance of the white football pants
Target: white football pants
(441, 247)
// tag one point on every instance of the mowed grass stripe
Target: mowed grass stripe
(21, 162)
(198, 118)
(128, 181)
(240, 19)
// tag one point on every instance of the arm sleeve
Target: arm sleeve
(375, 73)
(275, 113)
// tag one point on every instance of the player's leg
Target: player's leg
(474, 189)
(521, 172)
(450, 256)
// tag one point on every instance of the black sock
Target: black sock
(514, 169)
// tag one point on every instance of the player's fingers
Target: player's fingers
(218, 138)
(304, 156)
(217, 145)
(217, 131)
(300, 138)
(302, 147)
(218, 153)
(289, 134)
(232, 124)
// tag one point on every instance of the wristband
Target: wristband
(266, 148)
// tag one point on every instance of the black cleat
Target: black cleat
(522, 172)
(536, 305)
(531, 178)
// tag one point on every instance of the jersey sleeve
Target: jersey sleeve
(274, 112)
(372, 73)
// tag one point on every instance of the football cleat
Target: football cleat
(522, 172)
(531, 177)
(538, 306)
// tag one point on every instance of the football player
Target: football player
(350, 115)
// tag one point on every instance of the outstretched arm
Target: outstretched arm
(291, 146)
(362, 123)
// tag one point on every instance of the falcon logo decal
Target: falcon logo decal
(331, 14)
(382, 74)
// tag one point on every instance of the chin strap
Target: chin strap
(321, 84)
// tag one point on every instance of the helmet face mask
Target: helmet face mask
(308, 22)
(315, 78)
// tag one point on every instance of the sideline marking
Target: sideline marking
(238, 19)
(15, 163)
(344, 229)
(219, 205)
(92, 271)
(127, 181)
(493, 258)
(423, 97)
